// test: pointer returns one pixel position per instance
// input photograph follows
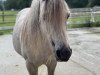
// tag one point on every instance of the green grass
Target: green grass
(97, 18)
(2, 32)
(78, 19)
(9, 12)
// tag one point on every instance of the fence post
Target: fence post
(3, 16)
(92, 15)
(3, 9)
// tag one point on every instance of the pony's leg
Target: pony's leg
(31, 69)
(51, 67)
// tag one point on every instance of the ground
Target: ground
(85, 59)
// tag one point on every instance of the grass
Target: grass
(2, 32)
(9, 12)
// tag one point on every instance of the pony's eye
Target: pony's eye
(68, 15)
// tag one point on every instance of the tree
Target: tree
(77, 3)
(0, 7)
(83, 3)
(91, 3)
(17, 4)
(23, 3)
(97, 2)
(11, 4)
(20, 4)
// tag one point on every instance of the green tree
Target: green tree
(77, 3)
(17, 4)
(20, 4)
(91, 3)
(83, 3)
(11, 4)
(97, 2)
(23, 3)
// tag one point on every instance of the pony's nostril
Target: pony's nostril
(64, 54)
(58, 53)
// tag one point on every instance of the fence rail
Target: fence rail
(6, 28)
(78, 16)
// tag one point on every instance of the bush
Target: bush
(17, 4)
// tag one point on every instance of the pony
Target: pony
(39, 35)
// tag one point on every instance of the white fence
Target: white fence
(88, 14)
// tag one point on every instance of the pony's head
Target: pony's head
(53, 15)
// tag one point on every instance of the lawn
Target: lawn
(2, 32)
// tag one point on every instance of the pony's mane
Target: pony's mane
(53, 11)
(31, 24)
(54, 14)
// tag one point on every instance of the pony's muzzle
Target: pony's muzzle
(63, 54)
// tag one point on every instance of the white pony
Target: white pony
(40, 34)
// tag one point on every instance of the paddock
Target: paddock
(85, 59)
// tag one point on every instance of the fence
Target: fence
(7, 19)
(84, 15)
(78, 16)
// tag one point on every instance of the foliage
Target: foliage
(97, 2)
(77, 3)
(11, 4)
(20, 4)
(0, 7)
(17, 4)
(83, 3)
